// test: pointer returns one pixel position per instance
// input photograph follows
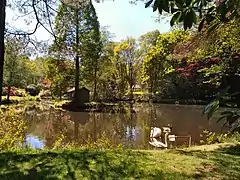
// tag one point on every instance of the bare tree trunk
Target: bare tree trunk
(131, 80)
(60, 94)
(8, 93)
(9, 83)
(95, 82)
(77, 66)
(2, 29)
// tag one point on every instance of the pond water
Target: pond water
(131, 128)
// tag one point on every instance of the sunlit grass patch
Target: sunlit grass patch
(221, 162)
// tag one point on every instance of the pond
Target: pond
(131, 129)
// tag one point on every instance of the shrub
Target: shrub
(12, 129)
(21, 93)
(212, 137)
(33, 89)
(12, 91)
(45, 93)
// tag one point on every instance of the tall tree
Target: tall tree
(12, 63)
(77, 29)
(125, 54)
(156, 61)
(92, 51)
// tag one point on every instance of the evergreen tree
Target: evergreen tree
(77, 29)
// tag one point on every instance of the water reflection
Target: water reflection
(131, 129)
(34, 142)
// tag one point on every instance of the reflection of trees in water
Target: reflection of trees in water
(130, 128)
(84, 127)
(79, 127)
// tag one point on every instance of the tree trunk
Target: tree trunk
(131, 80)
(2, 29)
(8, 93)
(9, 85)
(60, 94)
(95, 82)
(77, 66)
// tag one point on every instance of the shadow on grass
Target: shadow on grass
(78, 165)
(224, 163)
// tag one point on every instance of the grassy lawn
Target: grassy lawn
(203, 162)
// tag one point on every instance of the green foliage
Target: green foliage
(146, 41)
(78, 34)
(13, 65)
(212, 137)
(61, 75)
(68, 22)
(107, 72)
(102, 142)
(190, 12)
(19, 70)
(223, 42)
(12, 129)
(231, 117)
(157, 61)
(126, 64)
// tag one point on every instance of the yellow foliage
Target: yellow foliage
(12, 129)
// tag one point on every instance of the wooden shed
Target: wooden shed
(84, 95)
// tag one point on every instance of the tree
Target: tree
(77, 31)
(12, 50)
(2, 29)
(40, 12)
(96, 70)
(35, 70)
(157, 61)
(189, 12)
(107, 72)
(93, 47)
(60, 73)
(15, 68)
(125, 53)
(146, 41)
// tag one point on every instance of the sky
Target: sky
(122, 18)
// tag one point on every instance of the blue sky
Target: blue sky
(126, 19)
(123, 19)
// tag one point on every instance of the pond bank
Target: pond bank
(221, 161)
(19, 100)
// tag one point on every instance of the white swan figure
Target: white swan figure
(154, 142)
(156, 133)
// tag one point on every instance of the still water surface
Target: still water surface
(131, 129)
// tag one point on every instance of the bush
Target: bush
(33, 89)
(12, 91)
(45, 93)
(12, 129)
(21, 93)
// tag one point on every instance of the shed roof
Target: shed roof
(73, 89)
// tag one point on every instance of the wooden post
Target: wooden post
(190, 141)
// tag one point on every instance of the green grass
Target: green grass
(203, 162)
